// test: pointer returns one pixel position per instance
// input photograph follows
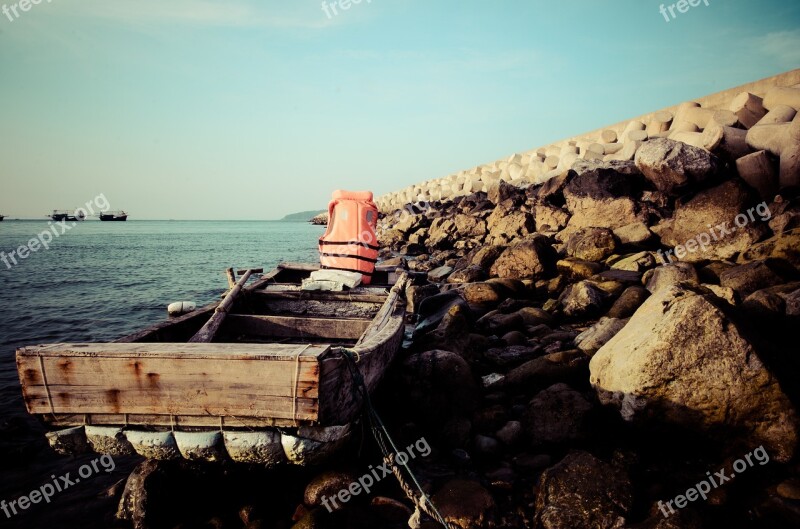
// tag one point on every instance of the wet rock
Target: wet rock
(530, 259)
(438, 385)
(465, 504)
(747, 278)
(672, 165)
(514, 338)
(683, 361)
(591, 244)
(582, 300)
(595, 337)
(628, 302)
(670, 275)
(559, 414)
(327, 485)
(583, 492)
(689, 233)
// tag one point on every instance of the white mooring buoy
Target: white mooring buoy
(181, 307)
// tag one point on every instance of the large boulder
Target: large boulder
(683, 361)
(582, 299)
(549, 218)
(603, 198)
(465, 504)
(469, 226)
(532, 258)
(673, 166)
(706, 227)
(785, 246)
(583, 492)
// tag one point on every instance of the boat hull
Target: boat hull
(276, 370)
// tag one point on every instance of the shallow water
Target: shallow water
(99, 281)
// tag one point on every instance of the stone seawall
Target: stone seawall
(705, 122)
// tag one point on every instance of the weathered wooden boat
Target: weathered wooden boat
(272, 387)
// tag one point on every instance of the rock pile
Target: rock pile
(609, 336)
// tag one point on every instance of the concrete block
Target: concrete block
(782, 96)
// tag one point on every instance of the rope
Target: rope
(416, 494)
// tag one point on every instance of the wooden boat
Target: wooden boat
(273, 385)
(1, 218)
(114, 216)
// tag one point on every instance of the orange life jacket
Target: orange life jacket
(349, 242)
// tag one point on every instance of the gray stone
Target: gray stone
(672, 165)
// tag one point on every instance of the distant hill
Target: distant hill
(303, 216)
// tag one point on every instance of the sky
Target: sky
(250, 110)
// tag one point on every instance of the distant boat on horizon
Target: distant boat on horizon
(2, 217)
(115, 216)
(61, 215)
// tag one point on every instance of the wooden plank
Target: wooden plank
(236, 351)
(273, 292)
(198, 421)
(174, 379)
(209, 330)
(296, 327)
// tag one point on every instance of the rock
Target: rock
(514, 338)
(628, 302)
(438, 275)
(485, 293)
(747, 278)
(689, 233)
(672, 165)
(485, 445)
(411, 223)
(469, 226)
(790, 489)
(601, 199)
(582, 300)
(390, 238)
(502, 191)
(549, 218)
(595, 337)
(683, 361)
(327, 485)
(534, 316)
(669, 275)
(415, 294)
(499, 323)
(725, 293)
(575, 269)
(634, 234)
(529, 259)
(548, 369)
(390, 510)
(591, 244)
(512, 355)
(452, 333)
(437, 385)
(485, 256)
(559, 414)
(465, 504)
(510, 434)
(583, 492)
(785, 246)
(638, 262)
(442, 233)
(507, 225)
(470, 274)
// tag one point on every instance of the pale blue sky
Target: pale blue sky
(253, 109)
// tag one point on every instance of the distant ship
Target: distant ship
(1, 218)
(119, 216)
(59, 216)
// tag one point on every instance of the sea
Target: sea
(99, 281)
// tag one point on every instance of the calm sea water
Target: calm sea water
(102, 280)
